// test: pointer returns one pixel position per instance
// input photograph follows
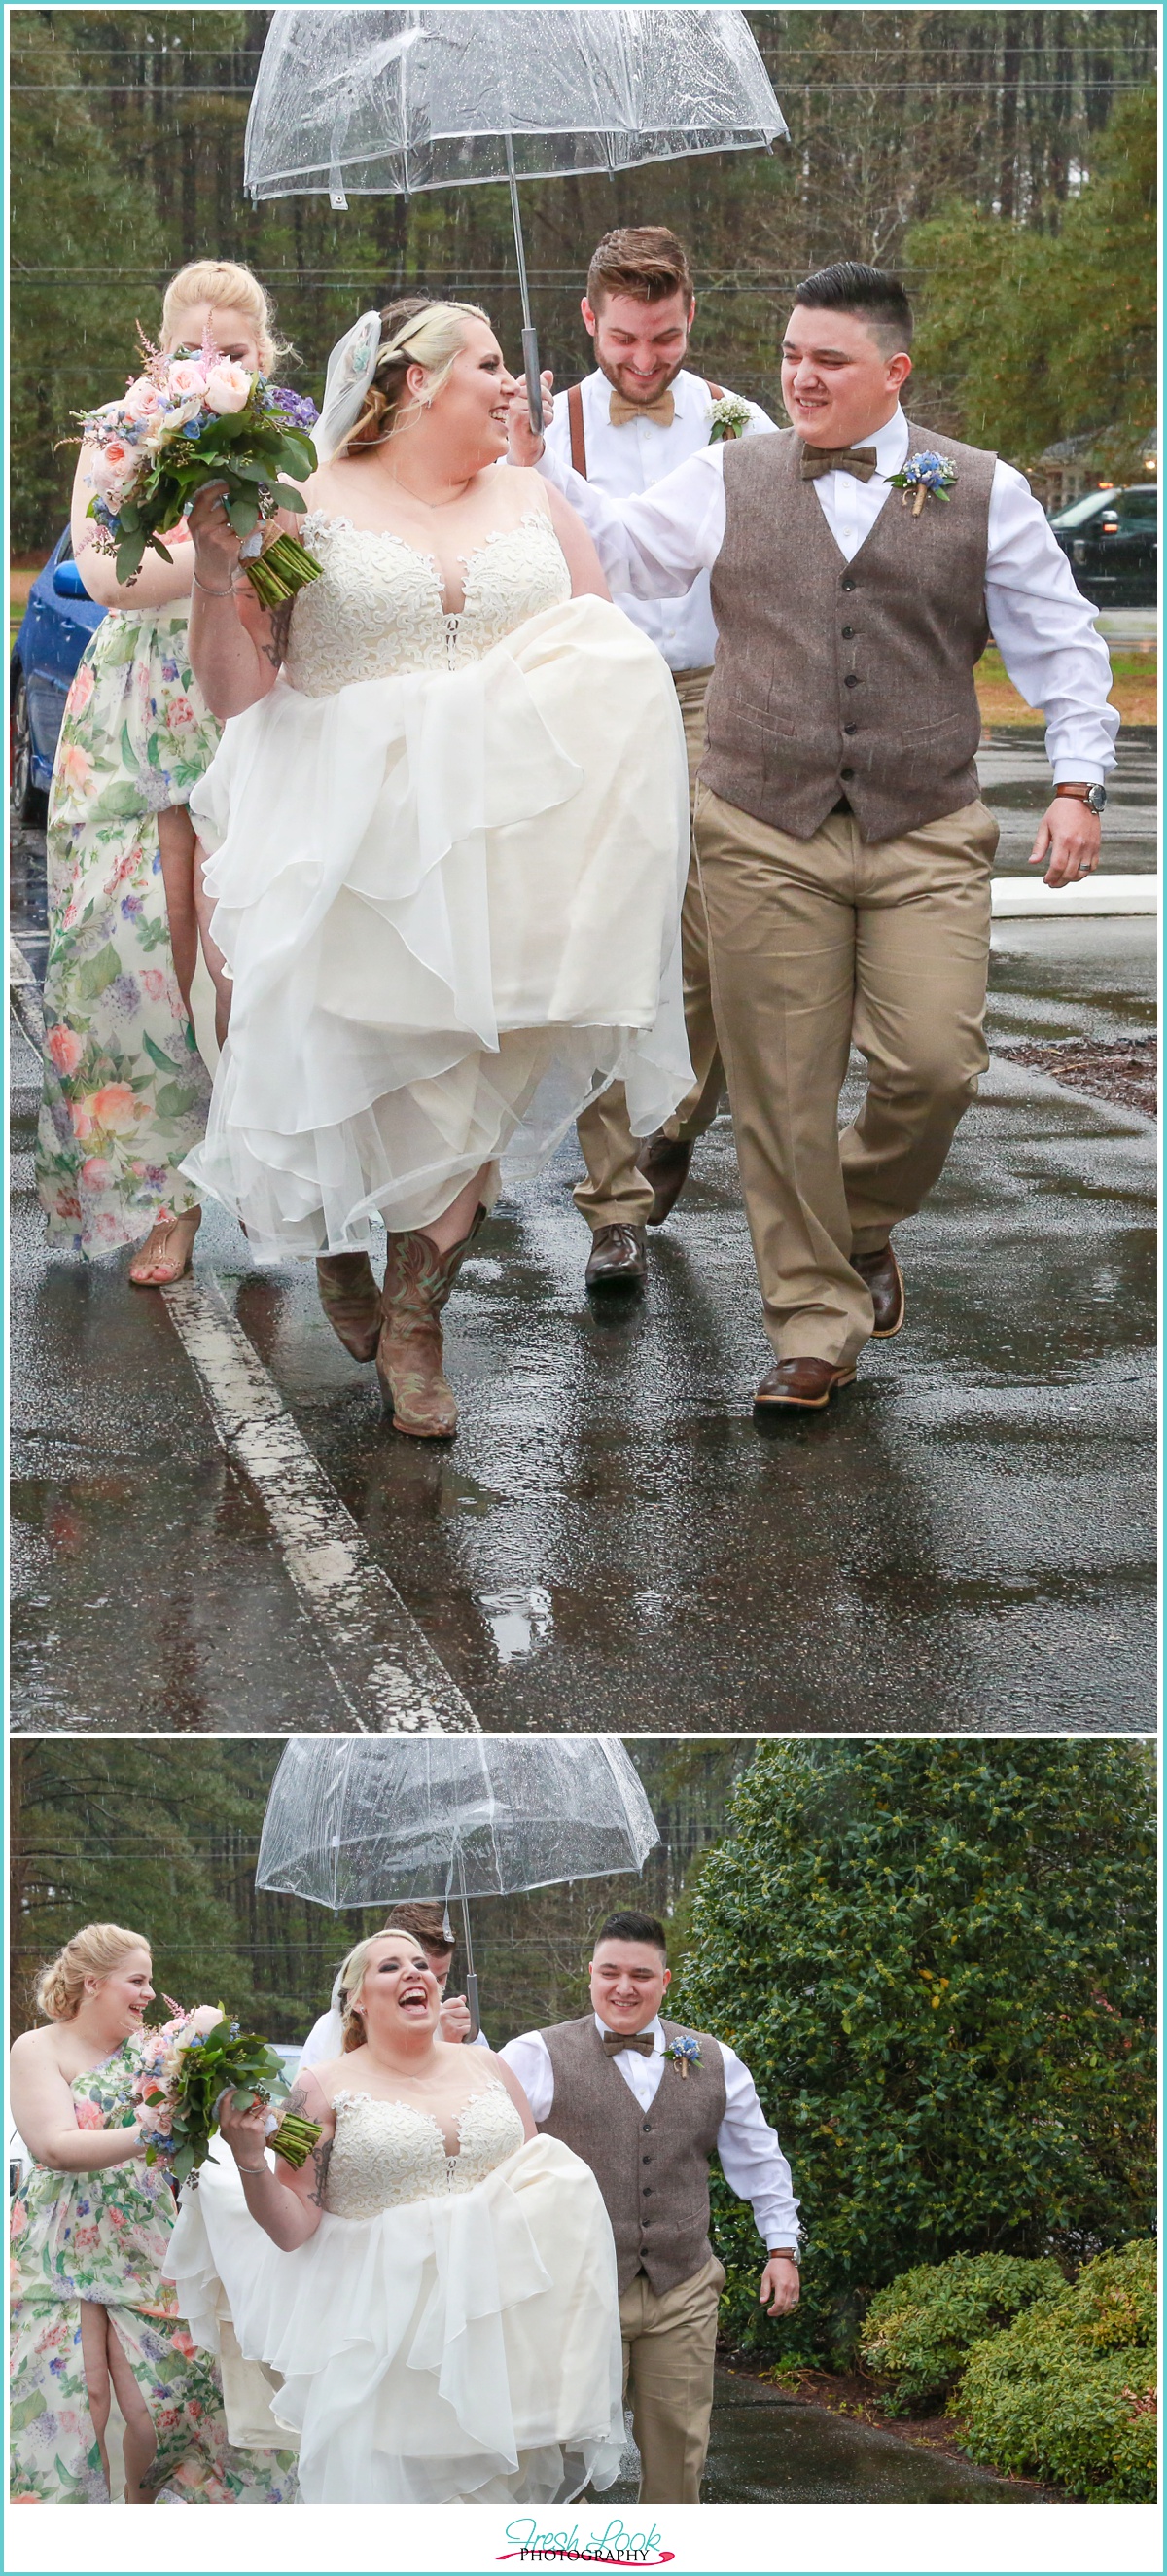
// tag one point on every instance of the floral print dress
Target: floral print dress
(104, 2236)
(125, 1089)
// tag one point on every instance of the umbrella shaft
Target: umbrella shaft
(516, 218)
(472, 2002)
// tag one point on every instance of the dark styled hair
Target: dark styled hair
(869, 293)
(634, 1927)
(425, 1925)
(641, 259)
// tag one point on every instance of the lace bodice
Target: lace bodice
(377, 609)
(387, 2153)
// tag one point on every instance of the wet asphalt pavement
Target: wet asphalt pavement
(766, 2449)
(967, 1540)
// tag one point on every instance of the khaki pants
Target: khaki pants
(814, 944)
(669, 2336)
(615, 1193)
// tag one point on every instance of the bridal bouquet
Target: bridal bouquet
(183, 2078)
(188, 421)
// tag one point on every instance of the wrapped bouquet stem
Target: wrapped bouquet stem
(187, 421)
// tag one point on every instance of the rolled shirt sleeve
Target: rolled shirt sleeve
(655, 543)
(1045, 633)
(529, 2058)
(751, 2158)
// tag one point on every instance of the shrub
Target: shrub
(1068, 2393)
(919, 2331)
(938, 1960)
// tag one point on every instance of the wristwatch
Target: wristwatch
(1094, 797)
(789, 2253)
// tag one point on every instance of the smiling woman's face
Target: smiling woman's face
(399, 1990)
(125, 1993)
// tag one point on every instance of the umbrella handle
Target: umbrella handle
(531, 372)
(472, 2001)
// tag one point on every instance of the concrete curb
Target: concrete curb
(1018, 898)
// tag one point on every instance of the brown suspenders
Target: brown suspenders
(575, 424)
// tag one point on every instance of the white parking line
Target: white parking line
(388, 1676)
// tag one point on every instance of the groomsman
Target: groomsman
(845, 855)
(646, 2102)
(640, 414)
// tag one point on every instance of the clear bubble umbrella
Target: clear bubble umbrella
(367, 1820)
(369, 102)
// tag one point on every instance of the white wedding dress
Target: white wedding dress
(449, 856)
(451, 2332)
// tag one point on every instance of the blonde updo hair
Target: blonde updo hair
(352, 1978)
(434, 341)
(92, 1952)
(226, 285)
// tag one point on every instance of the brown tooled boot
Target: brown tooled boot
(418, 1280)
(348, 1294)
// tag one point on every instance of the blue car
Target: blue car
(54, 631)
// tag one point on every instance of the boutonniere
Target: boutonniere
(924, 475)
(685, 2052)
(728, 418)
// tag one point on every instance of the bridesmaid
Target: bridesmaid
(92, 2316)
(125, 1089)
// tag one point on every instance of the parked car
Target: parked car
(1112, 540)
(54, 631)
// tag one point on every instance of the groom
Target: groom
(845, 856)
(646, 2103)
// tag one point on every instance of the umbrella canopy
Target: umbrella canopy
(358, 102)
(357, 1820)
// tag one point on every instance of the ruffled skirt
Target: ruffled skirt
(450, 905)
(461, 2350)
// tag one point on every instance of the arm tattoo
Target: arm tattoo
(321, 2157)
(296, 2103)
(280, 620)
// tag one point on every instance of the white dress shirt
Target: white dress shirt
(627, 461)
(1044, 629)
(750, 2156)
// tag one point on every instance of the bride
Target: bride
(433, 2296)
(448, 839)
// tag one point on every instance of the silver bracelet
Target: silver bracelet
(206, 587)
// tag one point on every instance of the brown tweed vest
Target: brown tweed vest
(841, 679)
(652, 2166)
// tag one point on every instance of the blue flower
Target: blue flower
(132, 905)
(298, 410)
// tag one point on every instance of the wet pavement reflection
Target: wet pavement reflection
(965, 1540)
(764, 2449)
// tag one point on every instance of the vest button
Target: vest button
(848, 632)
(646, 2160)
(850, 728)
(852, 680)
(647, 2191)
(847, 582)
(846, 773)
(646, 2124)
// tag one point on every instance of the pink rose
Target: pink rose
(65, 1048)
(113, 465)
(180, 712)
(81, 1116)
(228, 386)
(155, 983)
(186, 381)
(75, 768)
(143, 400)
(82, 689)
(97, 1175)
(115, 1106)
(88, 2115)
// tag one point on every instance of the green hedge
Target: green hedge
(919, 2331)
(1068, 2393)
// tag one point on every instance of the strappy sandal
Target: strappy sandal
(156, 1257)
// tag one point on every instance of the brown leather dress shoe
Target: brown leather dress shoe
(617, 1259)
(664, 1160)
(809, 1384)
(881, 1273)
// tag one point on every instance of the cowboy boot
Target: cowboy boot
(348, 1294)
(418, 1280)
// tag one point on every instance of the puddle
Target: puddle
(765, 2450)
(519, 1620)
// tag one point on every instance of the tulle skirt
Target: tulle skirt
(461, 2350)
(450, 905)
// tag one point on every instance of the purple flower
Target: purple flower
(123, 993)
(132, 905)
(170, 670)
(298, 410)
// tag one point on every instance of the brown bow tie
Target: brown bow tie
(643, 2040)
(620, 411)
(859, 461)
